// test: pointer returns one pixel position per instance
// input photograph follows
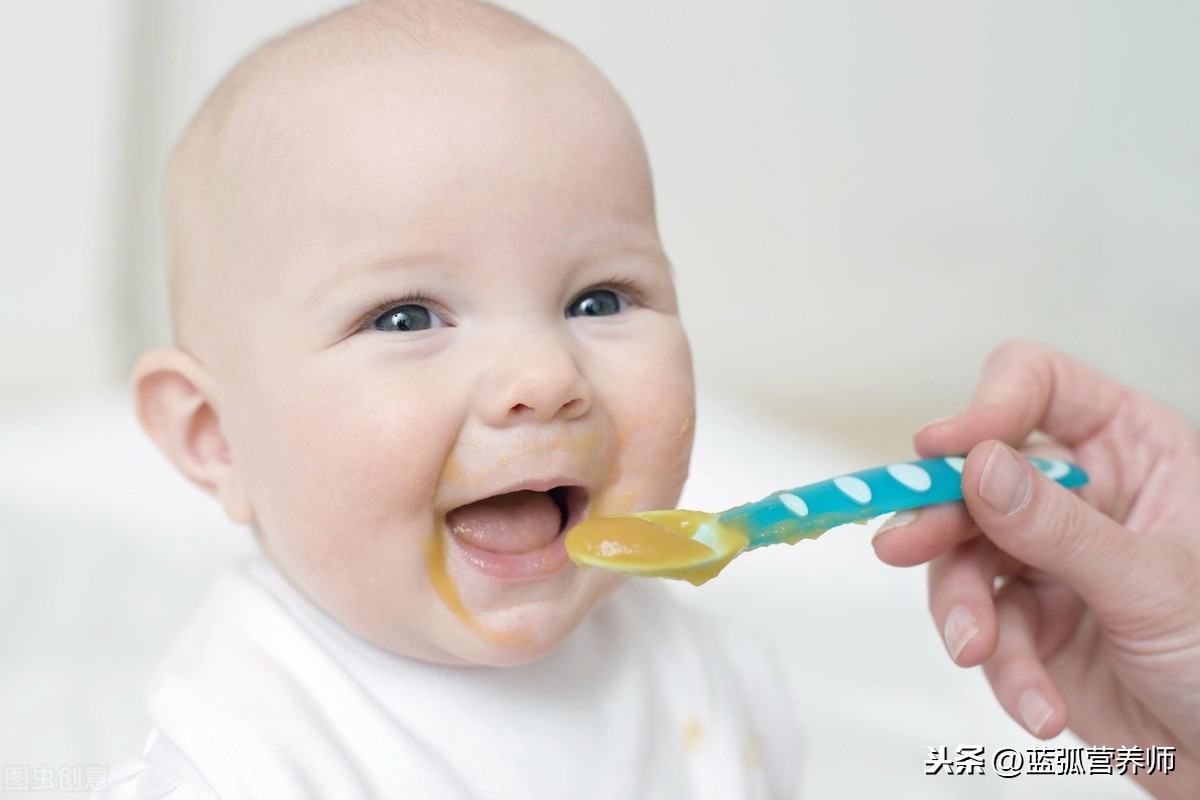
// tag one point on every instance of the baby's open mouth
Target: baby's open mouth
(518, 522)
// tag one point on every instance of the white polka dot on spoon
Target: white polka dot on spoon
(794, 504)
(911, 476)
(1053, 468)
(854, 488)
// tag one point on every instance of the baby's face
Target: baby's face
(454, 335)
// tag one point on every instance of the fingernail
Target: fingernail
(1003, 484)
(959, 629)
(1035, 712)
(897, 520)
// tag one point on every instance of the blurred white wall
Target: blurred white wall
(61, 124)
(861, 198)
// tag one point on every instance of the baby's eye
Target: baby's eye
(408, 317)
(596, 303)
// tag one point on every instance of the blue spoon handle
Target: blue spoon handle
(813, 509)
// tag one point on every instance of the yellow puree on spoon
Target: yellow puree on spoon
(656, 544)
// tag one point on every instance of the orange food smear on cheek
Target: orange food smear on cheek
(452, 473)
(448, 593)
(632, 465)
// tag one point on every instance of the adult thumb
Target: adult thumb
(1119, 574)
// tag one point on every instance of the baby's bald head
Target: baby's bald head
(250, 131)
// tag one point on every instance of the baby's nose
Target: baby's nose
(537, 378)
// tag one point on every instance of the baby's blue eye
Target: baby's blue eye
(410, 317)
(596, 303)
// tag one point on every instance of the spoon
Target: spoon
(695, 546)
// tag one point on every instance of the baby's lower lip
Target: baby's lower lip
(514, 567)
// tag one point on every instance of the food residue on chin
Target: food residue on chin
(448, 593)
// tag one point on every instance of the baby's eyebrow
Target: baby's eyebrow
(650, 250)
(347, 274)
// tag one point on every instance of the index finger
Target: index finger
(1027, 387)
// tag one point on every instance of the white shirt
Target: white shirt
(266, 696)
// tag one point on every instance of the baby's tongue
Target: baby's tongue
(517, 522)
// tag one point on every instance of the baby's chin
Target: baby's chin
(519, 633)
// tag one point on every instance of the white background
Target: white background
(861, 199)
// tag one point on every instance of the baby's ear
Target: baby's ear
(174, 397)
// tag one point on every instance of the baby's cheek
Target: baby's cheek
(659, 454)
(654, 436)
(670, 400)
(342, 473)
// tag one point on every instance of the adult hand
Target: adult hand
(1083, 607)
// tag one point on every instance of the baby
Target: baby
(425, 324)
